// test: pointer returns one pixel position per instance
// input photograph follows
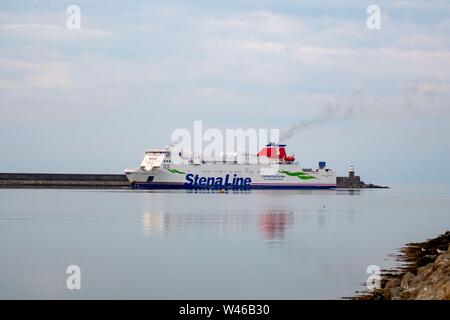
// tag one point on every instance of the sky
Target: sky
(92, 100)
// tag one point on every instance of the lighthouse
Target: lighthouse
(351, 172)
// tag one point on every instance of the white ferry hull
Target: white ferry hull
(231, 176)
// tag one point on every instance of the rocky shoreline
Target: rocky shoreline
(423, 273)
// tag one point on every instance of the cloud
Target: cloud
(39, 75)
(53, 32)
(39, 26)
(246, 55)
(262, 46)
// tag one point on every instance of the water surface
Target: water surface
(257, 244)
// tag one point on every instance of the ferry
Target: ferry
(270, 168)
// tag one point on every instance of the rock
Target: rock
(427, 270)
(443, 259)
(394, 293)
(406, 280)
(425, 292)
(428, 277)
(442, 292)
(408, 294)
(418, 280)
(430, 257)
(440, 274)
(438, 291)
(392, 283)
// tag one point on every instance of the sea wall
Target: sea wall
(17, 180)
(63, 180)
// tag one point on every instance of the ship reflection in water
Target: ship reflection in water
(273, 218)
(272, 225)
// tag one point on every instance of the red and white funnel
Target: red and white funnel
(275, 151)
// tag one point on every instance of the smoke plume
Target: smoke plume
(347, 108)
(420, 99)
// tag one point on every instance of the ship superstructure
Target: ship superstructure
(270, 168)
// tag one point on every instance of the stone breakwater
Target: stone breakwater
(70, 180)
(62, 180)
(423, 274)
(355, 182)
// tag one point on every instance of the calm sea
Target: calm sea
(208, 245)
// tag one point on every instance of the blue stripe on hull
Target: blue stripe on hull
(291, 187)
(186, 186)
